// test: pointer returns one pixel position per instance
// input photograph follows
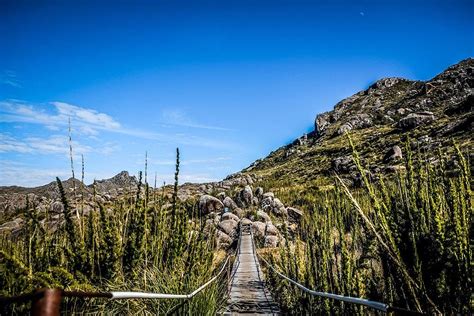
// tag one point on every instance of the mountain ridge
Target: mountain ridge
(379, 119)
(432, 113)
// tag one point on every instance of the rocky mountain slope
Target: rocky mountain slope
(378, 120)
(432, 113)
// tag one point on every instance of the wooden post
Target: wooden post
(47, 302)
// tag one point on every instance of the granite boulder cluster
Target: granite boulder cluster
(265, 213)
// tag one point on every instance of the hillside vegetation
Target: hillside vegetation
(376, 202)
(385, 183)
(405, 241)
(143, 242)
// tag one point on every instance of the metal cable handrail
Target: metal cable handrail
(137, 295)
(349, 299)
(376, 305)
(146, 295)
(48, 301)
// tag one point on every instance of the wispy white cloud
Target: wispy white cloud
(178, 117)
(21, 174)
(55, 144)
(14, 173)
(89, 116)
(10, 78)
(89, 122)
(10, 144)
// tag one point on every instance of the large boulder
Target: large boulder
(229, 203)
(259, 229)
(262, 216)
(209, 204)
(223, 240)
(294, 214)
(229, 215)
(271, 230)
(271, 241)
(245, 222)
(221, 196)
(321, 122)
(11, 226)
(229, 226)
(267, 202)
(239, 212)
(394, 153)
(245, 197)
(413, 120)
(278, 207)
(357, 121)
(269, 195)
(56, 207)
(342, 163)
(255, 201)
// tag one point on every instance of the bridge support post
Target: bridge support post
(46, 302)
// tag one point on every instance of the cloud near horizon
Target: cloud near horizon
(90, 122)
(15, 173)
(35, 132)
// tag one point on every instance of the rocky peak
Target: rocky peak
(116, 184)
(465, 68)
(390, 100)
(434, 112)
(386, 83)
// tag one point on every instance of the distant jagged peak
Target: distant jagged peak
(120, 179)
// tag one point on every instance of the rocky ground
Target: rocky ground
(46, 199)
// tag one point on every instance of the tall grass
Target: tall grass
(404, 240)
(134, 243)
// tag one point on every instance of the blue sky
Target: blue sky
(225, 81)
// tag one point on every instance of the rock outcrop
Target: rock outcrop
(116, 185)
(245, 197)
(394, 154)
(229, 203)
(413, 120)
(294, 214)
(226, 224)
(262, 216)
(376, 119)
(209, 204)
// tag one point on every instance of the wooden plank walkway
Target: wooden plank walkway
(248, 294)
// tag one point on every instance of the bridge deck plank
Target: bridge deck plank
(248, 294)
